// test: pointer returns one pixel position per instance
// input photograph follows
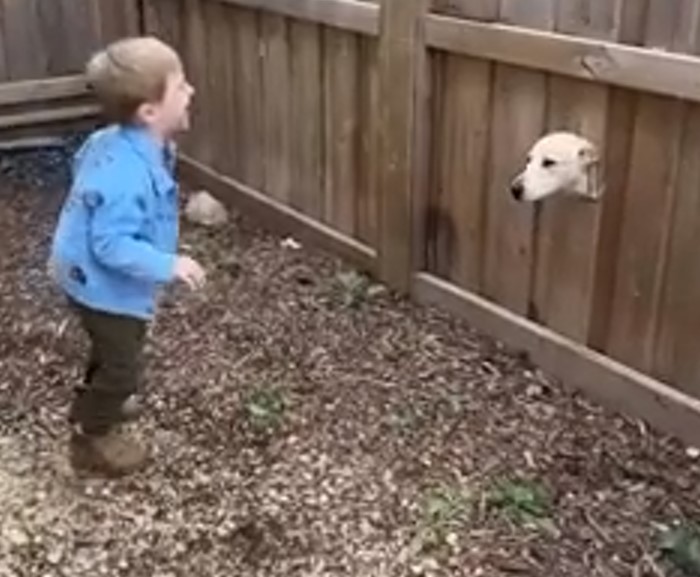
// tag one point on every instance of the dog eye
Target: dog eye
(548, 163)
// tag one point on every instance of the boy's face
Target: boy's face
(171, 114)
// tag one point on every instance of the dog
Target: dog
(559, 163)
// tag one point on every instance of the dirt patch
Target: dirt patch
(309, 423)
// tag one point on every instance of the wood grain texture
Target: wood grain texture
(568, 230)
(306, 118)
(647, 222)
(347, 15)
(341, 107)
(276, 78)
(401, 43)
(247, 84)
(367, 198)
(653, 71)
(519, 108)
(458, 195)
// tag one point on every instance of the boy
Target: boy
(116, 240)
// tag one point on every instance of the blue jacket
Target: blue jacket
(115, 243)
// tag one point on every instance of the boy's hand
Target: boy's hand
(190, 272)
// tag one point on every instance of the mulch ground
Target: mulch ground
(307, 422)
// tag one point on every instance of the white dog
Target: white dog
(559, 162)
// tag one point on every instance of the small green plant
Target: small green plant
(523, 502)
(680, 545)
(355, 288)
(443, 510)
(265, 408)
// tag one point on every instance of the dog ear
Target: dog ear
(589, 154)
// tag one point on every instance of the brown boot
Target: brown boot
(114, 454)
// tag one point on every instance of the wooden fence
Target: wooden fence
(44, 45)
(388, 131)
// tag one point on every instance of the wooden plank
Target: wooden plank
(644, 234)
(307, 118)
(486, 10)
(646, 229)
(217, 56)
(535, 14)
(568, 232)
(164, 19)
(675, 356)
(463, 139)
(613, 384)
(677, 321)
(196, 142)
(26, 91)
(118, 18)
(400, 47)
(622, 109)
(276, 107)
(368, 177)
(341, 106)
(52, 27)
(225, 91)
(519, 101)
(82, 19)
(589, 18)
(64, 113)
(647, 70)
(348, 15)
(673, 25)
(25, 53)
(3, 40)
(248, 86)
(422, 155)
(568, 229)
(279, 218)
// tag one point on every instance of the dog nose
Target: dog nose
(517, 189)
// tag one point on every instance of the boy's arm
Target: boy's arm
(117, 218)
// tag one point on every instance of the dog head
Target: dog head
(559, 163)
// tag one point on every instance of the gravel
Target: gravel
(308, 422)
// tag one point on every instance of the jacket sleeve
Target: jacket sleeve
(117, 218)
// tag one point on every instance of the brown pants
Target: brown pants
(113, 371)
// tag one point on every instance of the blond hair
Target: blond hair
(130, 72)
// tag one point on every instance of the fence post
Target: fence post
(401, 56)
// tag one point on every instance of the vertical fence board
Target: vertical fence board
(462, 131)
(519, 104)
(485, 10)
(675, 355)
(368, 186)
(648, 205)
(644, 230)
(341, 127)
(675, 351)
(307, 117)
(164, 18)
(196, 142)
(217, 56)
(4, 70)
(26, 55)
(248, 83)
(276, 106)
(400, 59)
(568, 231)
(118, 18)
